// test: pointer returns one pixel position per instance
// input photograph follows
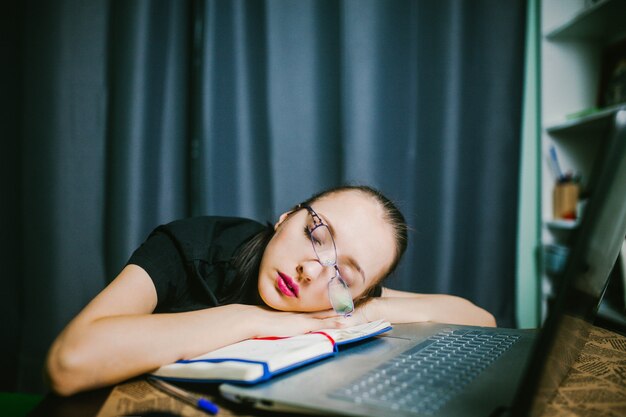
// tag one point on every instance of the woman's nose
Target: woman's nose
(313, 269)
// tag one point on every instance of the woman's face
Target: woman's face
(292, 279)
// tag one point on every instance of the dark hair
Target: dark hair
(248, 257)
(247, 262)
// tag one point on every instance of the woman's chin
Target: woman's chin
(273, 300)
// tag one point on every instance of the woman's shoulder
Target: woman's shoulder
(202, 231)
(208, 223)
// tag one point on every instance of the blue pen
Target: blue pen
(195, 400)
(555, 164)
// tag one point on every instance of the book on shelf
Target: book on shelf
(255, 360)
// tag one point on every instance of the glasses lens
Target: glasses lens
(340, 297)
(324, 245)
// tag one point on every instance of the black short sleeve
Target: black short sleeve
(190, 260)
(161, 259)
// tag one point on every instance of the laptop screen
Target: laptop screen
(594, 250)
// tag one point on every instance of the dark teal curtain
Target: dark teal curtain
(123, 115)
(147, 131)
(10, 203)
(53, 245)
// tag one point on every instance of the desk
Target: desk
(596, 385)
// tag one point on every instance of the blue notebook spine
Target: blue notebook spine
(267, 374)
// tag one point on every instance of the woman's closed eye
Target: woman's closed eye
(311, 236)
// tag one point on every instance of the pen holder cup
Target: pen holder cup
(565, 200)
(554, 258)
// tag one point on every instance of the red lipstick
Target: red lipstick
(287, 285)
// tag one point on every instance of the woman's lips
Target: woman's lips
(287, 285)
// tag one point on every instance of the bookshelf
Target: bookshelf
(574, 37)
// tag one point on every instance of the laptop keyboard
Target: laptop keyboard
(424, 378)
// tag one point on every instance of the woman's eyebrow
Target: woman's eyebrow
(350, 259)
(358, 268)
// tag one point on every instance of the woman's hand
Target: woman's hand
(270, 322)
(364, 313)
(405, 307)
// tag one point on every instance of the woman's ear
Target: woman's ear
(282, 218)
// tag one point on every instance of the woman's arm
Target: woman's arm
(116, 336)
(405, 307)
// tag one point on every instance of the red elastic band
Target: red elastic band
(287, 337)
(272, 338)
(327, 335)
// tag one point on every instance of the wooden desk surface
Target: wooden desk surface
(595, 386)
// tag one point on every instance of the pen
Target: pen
(195, 400)
(556, 167)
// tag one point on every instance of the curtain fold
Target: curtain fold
(232, 142)
(302, 51)
(463, 198)
(147, 135)
(137, 113)
(62, 170)
(378, 93)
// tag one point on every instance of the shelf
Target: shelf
(601, 22)
(562, 224)
(596, 121)
(575, 37)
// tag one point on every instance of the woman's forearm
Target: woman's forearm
(111, 349)
(436, 308)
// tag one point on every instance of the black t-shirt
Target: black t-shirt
(190, 261)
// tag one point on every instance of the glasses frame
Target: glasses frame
(336, 284)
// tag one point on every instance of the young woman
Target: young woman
(199, 284)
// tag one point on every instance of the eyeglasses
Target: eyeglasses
(326, 252)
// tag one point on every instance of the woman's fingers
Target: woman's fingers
(282, 323)
(323, 314)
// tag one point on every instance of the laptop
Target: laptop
(486, 371)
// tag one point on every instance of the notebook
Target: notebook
(494, 372)
(255, 360)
